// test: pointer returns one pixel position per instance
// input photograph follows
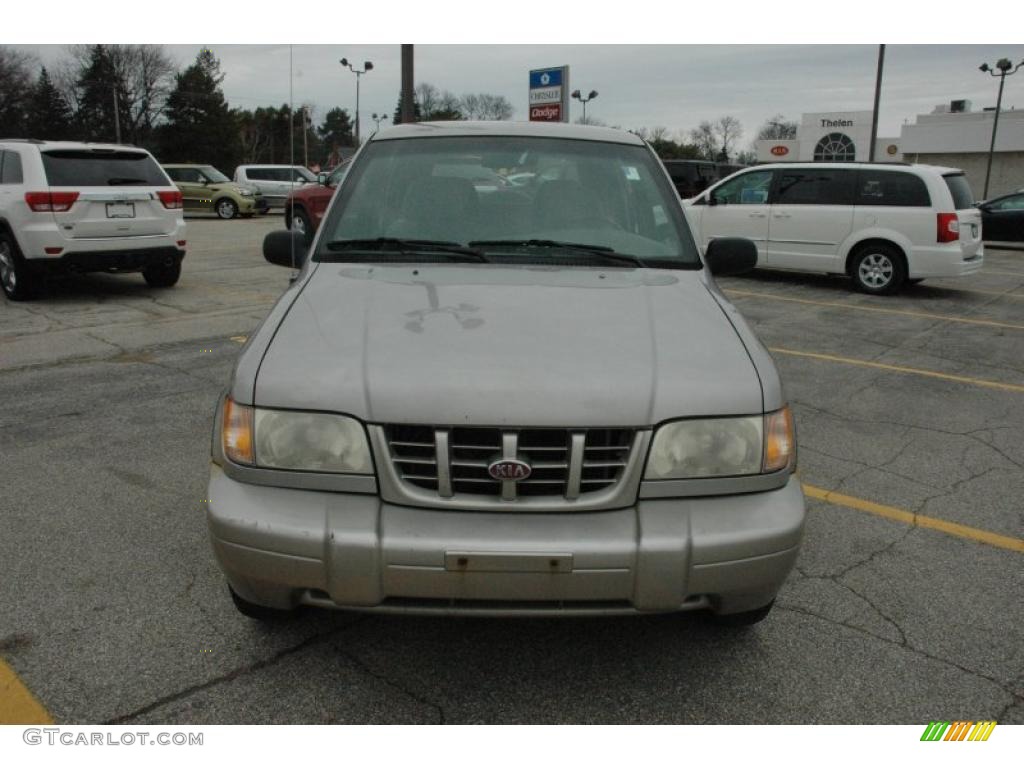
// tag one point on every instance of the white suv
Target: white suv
(883, 225)
(70, 206)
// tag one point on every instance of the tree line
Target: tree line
(136, 94)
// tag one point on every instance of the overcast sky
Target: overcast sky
(675, 86)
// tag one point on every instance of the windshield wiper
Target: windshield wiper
(407, 247)
(599, 251)
(118, 181)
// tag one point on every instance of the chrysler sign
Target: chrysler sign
(548, 97)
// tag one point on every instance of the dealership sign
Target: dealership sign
(549, 95)
(779, 150)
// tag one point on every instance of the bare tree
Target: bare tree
(703, 137)
(777, 128)
(428, 97)
(728, 130)
(659, 133)
(485, 106)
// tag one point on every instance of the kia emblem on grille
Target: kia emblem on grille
(509, 469)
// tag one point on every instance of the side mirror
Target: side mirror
(321, 179)
(730, 255)
(286, 248)
(204, 181)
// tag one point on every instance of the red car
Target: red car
(306, 205)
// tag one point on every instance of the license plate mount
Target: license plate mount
(121, 210)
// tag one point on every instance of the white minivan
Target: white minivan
(883, 225)
(274, 182)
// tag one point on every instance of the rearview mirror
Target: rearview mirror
(286, 248)
(730, 255)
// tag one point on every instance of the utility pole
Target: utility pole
(305, 126)
(117, 116)
(367, 66)
(1005, 67)
(874, 114)
(408, 106)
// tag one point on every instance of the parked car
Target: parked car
(691, 177)
(880, 224)
(306, 205)
(69, 206)
(468, 404)
(275, 182)
(1002, 218)
(207, 190)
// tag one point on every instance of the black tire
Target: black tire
(163, 275)
(298, 220)
(878, 269)
(225, 208)
(260, 612)
(18, 281)
(744, 619)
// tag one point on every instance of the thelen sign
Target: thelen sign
(549, 91)
(779, 150)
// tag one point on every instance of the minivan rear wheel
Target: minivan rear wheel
(18, 282)
(878, 269)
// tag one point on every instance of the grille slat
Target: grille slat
(565, 463)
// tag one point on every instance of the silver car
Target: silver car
(530, 401)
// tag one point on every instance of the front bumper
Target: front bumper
(281, 547)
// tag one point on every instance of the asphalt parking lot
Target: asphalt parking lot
(906, 605)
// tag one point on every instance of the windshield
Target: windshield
(214, 175)
(455, 190)
(302, 174)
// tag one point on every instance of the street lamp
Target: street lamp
(367, 66)
(590, 97)
(1005, 67)
(377, 118)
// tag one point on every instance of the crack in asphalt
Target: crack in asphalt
(906, 646)
(234, 674)
(365, 668)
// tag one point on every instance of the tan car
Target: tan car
(207, 190)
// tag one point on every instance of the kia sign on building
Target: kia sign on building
(549, 95)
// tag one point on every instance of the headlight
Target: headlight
(314, 442)
(245, 192)
(746, 445)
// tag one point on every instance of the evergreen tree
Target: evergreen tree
(336, 129)
(98, 84)
(417, 113)
(200, 127)
(49, 116)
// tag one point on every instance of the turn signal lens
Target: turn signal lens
(779, 441)
(237, 432)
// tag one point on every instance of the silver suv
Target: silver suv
(533, 400)
(70, 206)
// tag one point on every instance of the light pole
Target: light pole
(367, 66)
(378, 118)
(590, 97)
(1004, 67)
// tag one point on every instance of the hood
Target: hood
(517, 346)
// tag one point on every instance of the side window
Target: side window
(298, 176)
(11, 172)
(814, 187)
(174, 174)
(748, 189)
(1015, 203)
(257, 174)
(876, 187)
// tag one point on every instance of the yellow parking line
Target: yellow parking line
(882, 310)
(17, 704)
(901, 369)
(920, 521)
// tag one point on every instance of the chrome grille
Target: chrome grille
(453, 460)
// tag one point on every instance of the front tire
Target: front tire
(298, 221)
(163, 275)
(18, 281)
(226, 208)
(744, 618)
(259, 612)
(878, 270)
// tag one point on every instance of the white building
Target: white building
(830, 137)
(952, 135)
